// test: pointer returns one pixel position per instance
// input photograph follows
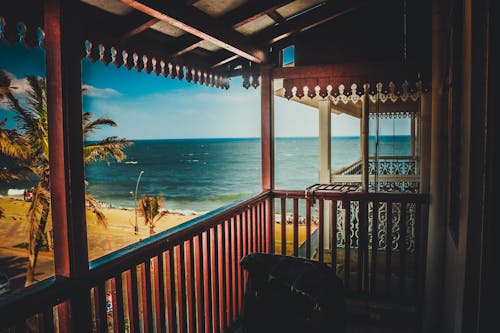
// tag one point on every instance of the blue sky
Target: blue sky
(149, 107)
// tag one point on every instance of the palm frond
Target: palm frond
(89, 125)
(40, 201)
(12, 144)
(111, 147)
(101, 218)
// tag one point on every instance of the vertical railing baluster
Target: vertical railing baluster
(181, 283)
(235, 259)
(190, 285)
(321, 217)
(223, 306)
(419, 247)
(347, 247)
(161, 295)
(269, 220)
(114, 304)
(402, 249)
(143, 300)
(147, 297)
(215, 279)
(199, 288)
(208, 268)
(171, 303)
(233, 254)
(130, 301)
(308, 229)
(373, 271)
(333, 226)
(240, 253)
(254, 230)
(388, 249)
(135, 298)
(100, 307)
(283, 226)
(296, 227)
(229, 274)
(362, 243)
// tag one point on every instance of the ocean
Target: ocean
(199, 175)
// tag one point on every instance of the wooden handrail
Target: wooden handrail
(355, 196)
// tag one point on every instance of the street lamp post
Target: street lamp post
(136, 226)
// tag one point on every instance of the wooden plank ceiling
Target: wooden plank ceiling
(221, 35)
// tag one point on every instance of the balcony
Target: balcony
(188, 279)
(386, 173)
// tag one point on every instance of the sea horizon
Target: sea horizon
(198, 175)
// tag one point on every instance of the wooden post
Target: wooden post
(267, 142)
(63, 61)
(364, 136)
(424, 161)
(267, 127)
(325, 162)
(433, 296)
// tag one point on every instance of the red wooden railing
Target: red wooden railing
(188, 278)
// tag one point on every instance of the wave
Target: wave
(131, 162)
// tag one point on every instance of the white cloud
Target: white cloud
(17, 86)
(99, 92)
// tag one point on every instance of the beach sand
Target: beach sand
(101, 240)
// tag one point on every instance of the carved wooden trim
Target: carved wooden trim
(32, 37)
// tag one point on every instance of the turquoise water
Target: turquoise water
(199, 175)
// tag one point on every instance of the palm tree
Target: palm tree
(32, 124)
(149, 208)
(13, 156)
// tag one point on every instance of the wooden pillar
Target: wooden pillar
(267, 142)
(325, 162)
(433, 292)
(364, 137)
(267, 127)
(424, 161)
(63, 61)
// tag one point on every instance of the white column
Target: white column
(325, 162)
(364, 132)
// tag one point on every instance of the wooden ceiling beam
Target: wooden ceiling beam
(137, 22)
(306, 21)
(248, 12)
(197, 23)
(251, 11)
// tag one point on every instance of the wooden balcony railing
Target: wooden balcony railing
(188, 279)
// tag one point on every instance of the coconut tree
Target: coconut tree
(13, 156)
(149, 208)
(32, 124)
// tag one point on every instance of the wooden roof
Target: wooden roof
(208, 41)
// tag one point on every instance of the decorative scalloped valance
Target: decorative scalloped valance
(339, 92)
(33, 37)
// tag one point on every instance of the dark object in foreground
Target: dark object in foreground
(289, 294)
